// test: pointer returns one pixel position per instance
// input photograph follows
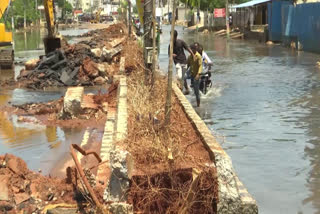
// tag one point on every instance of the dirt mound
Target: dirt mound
(22, 189)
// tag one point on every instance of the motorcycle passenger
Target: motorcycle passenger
(195, 65)
(206, 61)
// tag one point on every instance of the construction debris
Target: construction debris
(72, 102)
(86, 63)
(21, 189)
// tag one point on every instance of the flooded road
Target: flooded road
(264, 108)
(40, 146)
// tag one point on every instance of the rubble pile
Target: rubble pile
(90, 62)
(90, 106)
(22, 189)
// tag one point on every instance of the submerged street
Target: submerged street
(264, 111)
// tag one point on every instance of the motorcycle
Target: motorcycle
(205, 82)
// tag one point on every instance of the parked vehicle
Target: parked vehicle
(107, 18)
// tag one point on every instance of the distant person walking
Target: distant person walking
(179, 57)
(198, 17)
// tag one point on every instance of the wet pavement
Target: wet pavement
(40, 146)
(264, 108)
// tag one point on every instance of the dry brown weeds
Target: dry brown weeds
(148, 141)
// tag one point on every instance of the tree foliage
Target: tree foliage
(32, 14)
(210, 4)
(65, 5)
(18, 8)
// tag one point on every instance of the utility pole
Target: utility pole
(147, 20)
(154, 60)
(167, 111)
(24, 15)
(168, 10)
(227, 19)
(129, 18)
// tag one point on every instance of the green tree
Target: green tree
(64, 4)
(17, 11)
(209, 4)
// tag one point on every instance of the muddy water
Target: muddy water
(40, 146)
(264, 109)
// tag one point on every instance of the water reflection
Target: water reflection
(39, 145)
(29, 40)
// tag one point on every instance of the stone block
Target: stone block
(72, 101)
(4, 191)
(31, 64)
(63, 211)
(97, 52)
(122, 65)
(119, 182)
(121, 208)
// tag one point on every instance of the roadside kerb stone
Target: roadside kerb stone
(122, 65)
(120, 161)
(233, 196)
(122, 112)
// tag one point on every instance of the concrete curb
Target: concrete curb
(233, 196)
(120, 161)
(122, 110)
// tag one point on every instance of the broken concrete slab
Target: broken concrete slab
(99, 80)
(59, 64)
(97, 52)
(31, 64)
(21, 197)
(101, 69)
(90, 67)
(16, 165)
(109, 54)
(65, 78)
(119, 181)
(72, 101)
(117, 42)
(120, 208)
(24, 73)
(4, 192)
(62, 211)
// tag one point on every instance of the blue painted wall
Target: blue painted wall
(300, 23)
(307, 26)
(275, 19)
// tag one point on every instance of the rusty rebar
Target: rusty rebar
(85, 153)
(82, 175)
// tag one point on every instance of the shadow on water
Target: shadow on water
(266, 115)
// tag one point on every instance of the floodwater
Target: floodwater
(40, 146)
(264, 108)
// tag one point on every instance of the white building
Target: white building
(86, 5)
(109, 6)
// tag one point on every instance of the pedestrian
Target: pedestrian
(230, 20)
(179, 58)
(198, 16)
(206, 61)
(195, 64)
